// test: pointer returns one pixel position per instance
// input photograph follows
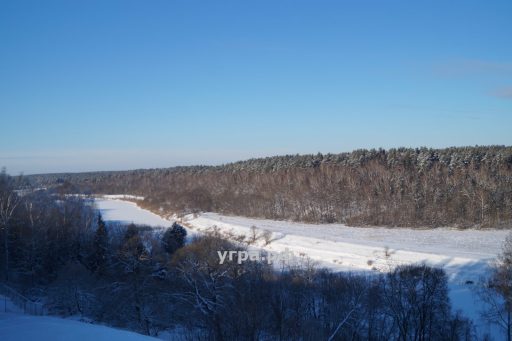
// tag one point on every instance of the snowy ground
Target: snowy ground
(14, 326)
(464, 254)
(122, 196)
(128, 212)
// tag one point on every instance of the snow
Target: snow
(464, 254)
(6, 306)
(128, 212)
(122, 196)
(18, 327)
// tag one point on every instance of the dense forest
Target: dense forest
(460, 187)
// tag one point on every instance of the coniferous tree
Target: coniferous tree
(174, 238)
(100, 248)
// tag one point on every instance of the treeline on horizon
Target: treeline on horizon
(422, 187)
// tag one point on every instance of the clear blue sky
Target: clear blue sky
(99, 85)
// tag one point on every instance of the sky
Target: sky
(111, 85)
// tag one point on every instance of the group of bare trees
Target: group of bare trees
(462, 187)
(39, 232)
(9, 201)
(252, 301)
(495, 291)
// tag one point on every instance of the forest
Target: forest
(457, 187)
(58, 250)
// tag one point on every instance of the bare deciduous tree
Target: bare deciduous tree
(9, 201)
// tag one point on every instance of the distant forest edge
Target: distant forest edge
(459, 187)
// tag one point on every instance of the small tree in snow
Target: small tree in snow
(174, 238)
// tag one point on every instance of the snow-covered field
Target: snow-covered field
(464, 254)
(14, 326)
(128, 212)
